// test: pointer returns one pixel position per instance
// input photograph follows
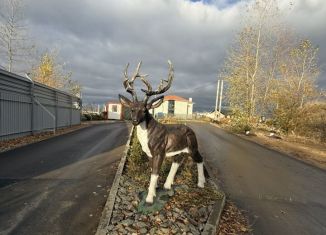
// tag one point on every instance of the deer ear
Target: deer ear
(156, 102)
(124, 101)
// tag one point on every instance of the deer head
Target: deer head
(139, 109)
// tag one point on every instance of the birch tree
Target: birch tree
(245, 68)
(14, 42)
(296, 84)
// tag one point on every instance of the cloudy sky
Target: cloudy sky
(97, 38)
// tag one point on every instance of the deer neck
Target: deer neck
(143, 130)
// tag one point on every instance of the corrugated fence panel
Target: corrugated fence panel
(26, 108)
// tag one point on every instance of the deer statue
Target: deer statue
(157, 140)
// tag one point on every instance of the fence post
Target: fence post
(32, 108)
(70, 108)
(56, 110)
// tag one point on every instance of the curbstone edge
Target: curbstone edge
(108, 208)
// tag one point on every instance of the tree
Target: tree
(51, 73)
(269, 70)
(296, 85)
(247, 68)
(14, 44)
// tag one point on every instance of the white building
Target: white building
(175, 106)
(114, 110)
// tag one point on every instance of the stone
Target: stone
(152, 231)
(164, 225)
(202, 212)
(193, 212)
(123, 231)
(193, 230)
(165, 230)
(127, 222)
(131, 230)
(116, 219)
(177, 210)
(139, 224)
(127, 214)
(143, 231)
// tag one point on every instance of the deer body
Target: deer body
(158, 140)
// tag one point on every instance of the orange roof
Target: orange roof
(176, 98)
(113, 102)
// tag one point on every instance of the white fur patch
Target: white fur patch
(170, 178)
(170, 154)
(152, 189)
(143, 138)
(201, 176)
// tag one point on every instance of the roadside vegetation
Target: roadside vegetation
(271, 76)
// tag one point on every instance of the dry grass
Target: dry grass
(233, 221)
(298, 147)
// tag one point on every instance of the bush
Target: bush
(240, 123)
(311, 121)
(92, 117)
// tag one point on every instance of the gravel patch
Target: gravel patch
(177, 217)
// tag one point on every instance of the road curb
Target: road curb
(215, 216)
(108, 208)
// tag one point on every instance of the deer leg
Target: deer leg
(157, 162)
(170, 178)
(201, 176)
(196, 157)
(200, 168)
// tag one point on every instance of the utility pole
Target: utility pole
(217, 92)
(221, 96)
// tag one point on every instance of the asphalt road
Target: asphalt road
(280, 194)
(59, 186)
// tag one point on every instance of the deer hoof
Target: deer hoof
(149, 200)
(167, 187)
(200, 185)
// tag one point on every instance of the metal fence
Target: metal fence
(27, 108)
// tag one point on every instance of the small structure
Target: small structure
(175, 106)
(114, 110)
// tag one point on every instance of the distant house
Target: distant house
(114, 110)
(174, 106)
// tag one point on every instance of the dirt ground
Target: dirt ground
(299, 148)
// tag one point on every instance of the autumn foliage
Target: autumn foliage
(272, 72)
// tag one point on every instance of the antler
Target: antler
(161, 88)
(129, 83)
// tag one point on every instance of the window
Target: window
(114, 108)
(171, 107)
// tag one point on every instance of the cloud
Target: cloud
(98, 38)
